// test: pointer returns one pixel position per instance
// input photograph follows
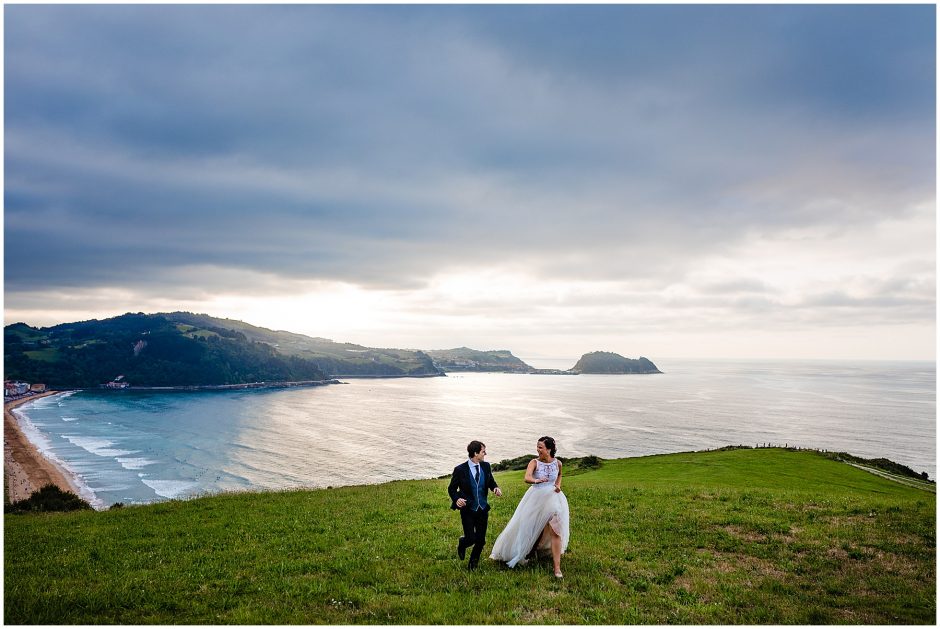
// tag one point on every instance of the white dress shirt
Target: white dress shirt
(474, 470)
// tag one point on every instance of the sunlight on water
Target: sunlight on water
(142, 447)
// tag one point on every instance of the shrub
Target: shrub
(48, 498)
(590, 462)
(518, 463)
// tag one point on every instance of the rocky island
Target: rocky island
(611, 363)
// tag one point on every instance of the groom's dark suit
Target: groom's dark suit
(475, 514)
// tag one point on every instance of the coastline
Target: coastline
(25, 468)
(234, 387)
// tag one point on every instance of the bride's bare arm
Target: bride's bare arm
(529, 471)
(558, 480)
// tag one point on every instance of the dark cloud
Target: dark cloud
(379, 145)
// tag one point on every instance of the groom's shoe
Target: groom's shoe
(472, 565)
(461, 549)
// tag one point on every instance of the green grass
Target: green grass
(192, 331)
(741, 536)
(48, 354)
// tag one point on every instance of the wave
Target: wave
(113, 488)
(100, 447)
(169, 488)
(62, 396)
(134, 463)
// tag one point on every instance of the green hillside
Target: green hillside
(466, 359)
(335, 359)
(148, 350)
(182, 348)
(765, 536)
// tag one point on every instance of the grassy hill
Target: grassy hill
(466, 359)
(182, 348)
(336, 359)
(148, 350)
(723, 537)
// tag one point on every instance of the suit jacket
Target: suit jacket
(462, 485)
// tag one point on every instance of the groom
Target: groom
(468, 488)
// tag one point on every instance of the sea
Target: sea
(141, 447)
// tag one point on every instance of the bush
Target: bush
(518, 463)
(48, 498)
(589, 462)
(881, 463)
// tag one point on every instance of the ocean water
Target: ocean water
(136, 447)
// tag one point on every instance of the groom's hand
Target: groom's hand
(461, 503)
(498, 492)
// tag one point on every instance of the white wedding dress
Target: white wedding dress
(540, 505)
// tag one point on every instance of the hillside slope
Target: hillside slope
(726, 537)
(335, 359)
(466, 359)
(148, 350)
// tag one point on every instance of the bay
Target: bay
(139, 447)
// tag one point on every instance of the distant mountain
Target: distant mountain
(610, 363)
(147, 350)
(335, 359)
(466, 359)
(185, 349)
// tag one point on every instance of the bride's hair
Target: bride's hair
(549, 443)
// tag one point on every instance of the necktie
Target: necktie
(476, 474)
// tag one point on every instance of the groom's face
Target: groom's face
(478, 457)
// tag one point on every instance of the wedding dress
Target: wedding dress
(540, 505)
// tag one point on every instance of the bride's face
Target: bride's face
(541, 449)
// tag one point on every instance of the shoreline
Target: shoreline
(25, 468)
(229, 387)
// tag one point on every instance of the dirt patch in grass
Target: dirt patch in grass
(849, 616)
(718, 564)
(791, 535)
(742, 533)
(762, 567)
(532, 616)
(865, 559)
(845, 521)
(892, 563)
(835, 552)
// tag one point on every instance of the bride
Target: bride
(541, 519)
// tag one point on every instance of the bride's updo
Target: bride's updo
(549, 443)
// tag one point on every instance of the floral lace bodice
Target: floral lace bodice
(546, 470)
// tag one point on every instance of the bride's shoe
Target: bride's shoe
(559, 575)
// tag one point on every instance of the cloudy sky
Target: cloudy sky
(666, 181)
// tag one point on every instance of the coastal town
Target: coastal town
(15, 390)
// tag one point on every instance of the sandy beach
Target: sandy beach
(25, 469)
